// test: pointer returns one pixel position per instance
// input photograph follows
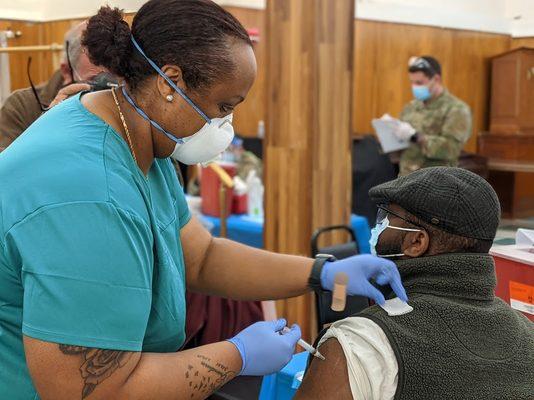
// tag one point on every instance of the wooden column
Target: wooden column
(308, 147)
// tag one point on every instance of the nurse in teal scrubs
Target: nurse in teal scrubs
(97, 245)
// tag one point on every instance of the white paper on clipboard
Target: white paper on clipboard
(388, 140)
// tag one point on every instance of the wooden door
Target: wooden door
(526, 73)
(505, 99)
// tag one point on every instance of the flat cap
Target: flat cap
(452, 199)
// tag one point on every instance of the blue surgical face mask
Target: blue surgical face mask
(377, 231)
(375, 234)
(421, 92)
(203, 146)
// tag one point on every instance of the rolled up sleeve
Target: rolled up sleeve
(371, 363)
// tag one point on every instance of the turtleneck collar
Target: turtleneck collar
(461, 275)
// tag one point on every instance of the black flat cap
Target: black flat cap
(452, 199)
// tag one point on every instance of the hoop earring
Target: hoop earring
(170, 98)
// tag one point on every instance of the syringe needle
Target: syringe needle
(306, 346)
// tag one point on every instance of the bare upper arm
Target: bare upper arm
(64, 372)
(327, 379)
(196, 241)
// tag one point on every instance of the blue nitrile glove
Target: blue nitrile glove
(264, 350)
(360, 269)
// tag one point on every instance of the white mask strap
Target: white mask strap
(399, 229)
(390, 255)
(403, 229)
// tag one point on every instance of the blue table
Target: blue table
(241, 228)
(249, 231)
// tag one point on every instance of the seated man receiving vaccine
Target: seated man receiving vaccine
(455, 339)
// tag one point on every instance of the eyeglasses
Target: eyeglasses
(43, 107)
(68, 62)
(383, 212)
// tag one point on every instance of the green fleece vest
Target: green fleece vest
(460, 341)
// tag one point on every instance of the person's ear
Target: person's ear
(65, 73)
(416, 243)
(174, 73)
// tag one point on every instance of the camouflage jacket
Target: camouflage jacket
(444, 123)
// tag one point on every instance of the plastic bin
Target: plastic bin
(514, 266)
(284, 384)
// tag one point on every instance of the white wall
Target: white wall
(49, 10)
(521, 13)
(514, 17)
(481, 15)
(75, 9)
(28, 10)
(257, 4)
(68, 9)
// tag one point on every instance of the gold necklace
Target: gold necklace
(124, 124)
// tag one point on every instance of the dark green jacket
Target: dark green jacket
(460, 341)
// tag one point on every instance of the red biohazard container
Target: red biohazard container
(515, 277)
(209, 190)
(240, 204)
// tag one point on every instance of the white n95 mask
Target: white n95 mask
(205, 145)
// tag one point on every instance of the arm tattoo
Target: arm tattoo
(98, 364)
(207, 378)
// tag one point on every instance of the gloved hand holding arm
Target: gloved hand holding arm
(360, 269)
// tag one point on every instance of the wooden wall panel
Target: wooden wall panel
(248, 114)
(307, 156)
(42, 62)
(32, 34)
(522, 42)
(381, 56)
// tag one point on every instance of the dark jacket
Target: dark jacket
(21, 109)
(460, 341)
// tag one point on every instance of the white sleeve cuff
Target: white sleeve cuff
(371, 362)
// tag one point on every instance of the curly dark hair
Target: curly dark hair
(195, 35)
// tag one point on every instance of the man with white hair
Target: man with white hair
(24, 106)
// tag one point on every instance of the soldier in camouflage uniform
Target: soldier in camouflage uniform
(436, 123)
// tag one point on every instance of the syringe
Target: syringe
(306, 346)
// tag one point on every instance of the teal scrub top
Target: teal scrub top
(90, 251)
